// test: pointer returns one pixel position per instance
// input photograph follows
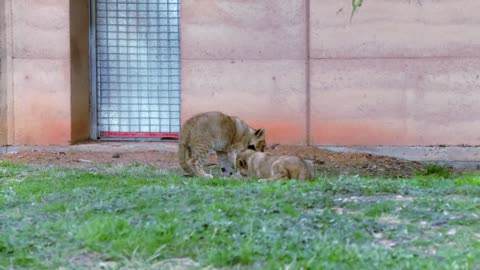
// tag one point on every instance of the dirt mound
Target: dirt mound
(326, 162)
(331, 163)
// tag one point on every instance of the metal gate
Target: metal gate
(135, 57)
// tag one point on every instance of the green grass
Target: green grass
(437, 171)
(141, 218)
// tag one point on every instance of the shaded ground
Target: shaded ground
(352, 163)
(163, 155)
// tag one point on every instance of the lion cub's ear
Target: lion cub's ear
(242, 163)
(260, 133)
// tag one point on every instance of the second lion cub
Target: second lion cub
(266, 166)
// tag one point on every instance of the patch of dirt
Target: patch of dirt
(363, 164)
(176, 264)
(81, 159)
(85, 258)
(373, 198)
(326, 162)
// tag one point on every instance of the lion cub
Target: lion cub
(216, 131)
(270, 167)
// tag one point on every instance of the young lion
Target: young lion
(216, 131)
(266, 166)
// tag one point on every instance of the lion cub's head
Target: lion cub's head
(242, 162)
(257, 141)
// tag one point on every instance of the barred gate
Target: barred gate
(135, 56)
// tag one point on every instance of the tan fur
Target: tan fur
(266, 166)
(215, 131)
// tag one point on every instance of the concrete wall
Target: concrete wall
(401, 73)
(247, 58)
(3, 86)
(49, 71)
(6, 77)
(41, 71)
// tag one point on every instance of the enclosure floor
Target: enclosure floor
(363, 161)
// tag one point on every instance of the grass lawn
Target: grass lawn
(140, 218)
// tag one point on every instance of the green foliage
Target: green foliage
(355, 5)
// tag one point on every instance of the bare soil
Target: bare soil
(326, 162)
(363, 164)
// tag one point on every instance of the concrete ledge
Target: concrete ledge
(7, 149)
(455, 156)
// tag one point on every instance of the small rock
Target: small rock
(274, 146)
(116, 155)
(452, 232)
(387, 243)
(84, 160)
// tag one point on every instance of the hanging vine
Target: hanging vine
(355, 5)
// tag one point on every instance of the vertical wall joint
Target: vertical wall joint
(307, 71)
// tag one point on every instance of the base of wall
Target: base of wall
(455, 156)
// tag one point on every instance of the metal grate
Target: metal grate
(137, 68)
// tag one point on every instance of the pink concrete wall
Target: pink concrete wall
(395, 101)
(246, 58)
(402, 73)
(395, 29)
(46, 102)
(41, 71)
(3, 83)
(269, 94)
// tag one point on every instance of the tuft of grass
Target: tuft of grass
(438, 171)
(142, 218)
(10, 165)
